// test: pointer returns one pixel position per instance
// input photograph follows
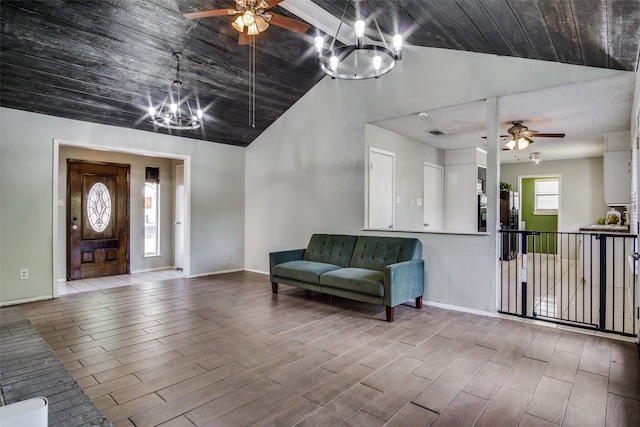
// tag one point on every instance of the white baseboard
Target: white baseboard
(26, 300)
(148, 270)
(266, 273)
(462, 309)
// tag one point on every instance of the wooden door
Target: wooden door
(97, 219)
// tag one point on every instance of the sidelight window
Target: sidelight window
(152, 211)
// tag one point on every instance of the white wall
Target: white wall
(305, 172)
(26, 196)
(581, 191)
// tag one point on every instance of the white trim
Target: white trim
(57, 143)
(26, 300)
(462, 309)
(266, 273)
(148, 270)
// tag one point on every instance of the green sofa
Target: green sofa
(379, 270)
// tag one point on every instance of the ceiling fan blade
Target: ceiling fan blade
(244, 39)
(288, 23)
(501, 136)
(548, 135)
(207, 13)
(273, 3)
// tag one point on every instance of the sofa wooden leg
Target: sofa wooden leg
(419, 302)
(274, 287)
(390, 312)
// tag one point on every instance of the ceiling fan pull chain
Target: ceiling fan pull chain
(252, 82)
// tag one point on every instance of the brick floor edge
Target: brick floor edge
(29, 368)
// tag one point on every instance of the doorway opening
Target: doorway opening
(156, 267)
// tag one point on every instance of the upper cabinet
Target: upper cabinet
(617, 169)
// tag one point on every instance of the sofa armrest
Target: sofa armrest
(276, 258)
(403, 281)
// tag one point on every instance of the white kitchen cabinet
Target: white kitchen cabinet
(461, 189)
(617, 178)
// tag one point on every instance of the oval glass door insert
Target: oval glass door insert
(99, 207)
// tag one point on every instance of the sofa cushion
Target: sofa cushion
(361, 280)
(375, 253)
(303, 271)
(330, 249)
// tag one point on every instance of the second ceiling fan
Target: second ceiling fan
(253, 18)
(520, 136)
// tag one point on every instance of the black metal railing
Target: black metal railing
(583, 279)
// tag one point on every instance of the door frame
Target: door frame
(55, 231)
(542, 176)
(441, 168)
(368, 185)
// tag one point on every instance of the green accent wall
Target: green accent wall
(536, 222)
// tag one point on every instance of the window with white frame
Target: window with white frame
(547, 196)
(152, 211)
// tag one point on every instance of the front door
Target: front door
(97, 219)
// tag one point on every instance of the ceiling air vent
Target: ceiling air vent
(436, 132)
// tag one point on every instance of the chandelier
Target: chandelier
(251, 14)
(170, 114)
(358, 61)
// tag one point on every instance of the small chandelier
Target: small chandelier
(172, 116)
(535, 157)
(358, 61)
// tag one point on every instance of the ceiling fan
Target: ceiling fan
(253, 18)
(520, 136)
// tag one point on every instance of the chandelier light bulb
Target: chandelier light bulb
(377, 61)
(397, 45)
(199, 113)
(359, 27)
(318, 42)
(152, 111)
(173, 108)
(333, 63)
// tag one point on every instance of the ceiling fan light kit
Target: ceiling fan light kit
(358, 61)
(520, 136)
(169, 114)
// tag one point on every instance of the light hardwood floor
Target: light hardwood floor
(223, 351)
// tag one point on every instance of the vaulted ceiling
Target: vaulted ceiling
(104, 61)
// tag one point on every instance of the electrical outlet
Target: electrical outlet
(24, 273)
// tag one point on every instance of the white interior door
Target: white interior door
(432, 197)
(380, 189)
(179, 218)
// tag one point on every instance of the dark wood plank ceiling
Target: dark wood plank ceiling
(103, 61)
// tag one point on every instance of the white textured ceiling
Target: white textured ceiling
(584, 111)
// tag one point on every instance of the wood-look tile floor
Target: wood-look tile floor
(223, 351)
